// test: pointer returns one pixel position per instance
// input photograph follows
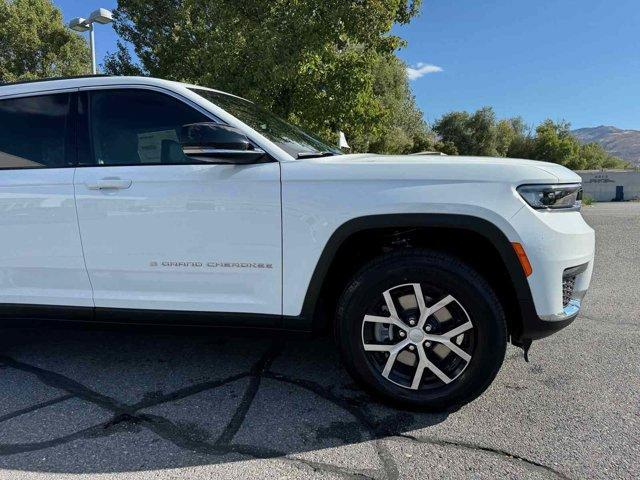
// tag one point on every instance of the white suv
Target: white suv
(128, 199)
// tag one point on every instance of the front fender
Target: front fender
(477, 225)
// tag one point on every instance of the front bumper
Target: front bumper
(535, 328)
(560, 247)
(573, 292)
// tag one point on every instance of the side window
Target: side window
(34, 132)
(138, 127)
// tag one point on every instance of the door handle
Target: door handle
(109, 184)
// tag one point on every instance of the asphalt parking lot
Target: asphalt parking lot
(146, 404)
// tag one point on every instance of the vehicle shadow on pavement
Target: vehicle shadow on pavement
(87, 400)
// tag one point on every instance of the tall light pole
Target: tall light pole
(79, 24)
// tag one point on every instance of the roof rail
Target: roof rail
(51, 79)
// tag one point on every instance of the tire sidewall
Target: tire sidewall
(445, 273)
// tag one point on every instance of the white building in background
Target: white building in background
(608, 185)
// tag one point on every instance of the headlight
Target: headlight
(552, 197)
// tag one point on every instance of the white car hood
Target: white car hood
(460, 168)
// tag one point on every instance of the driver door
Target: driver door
(161, 231)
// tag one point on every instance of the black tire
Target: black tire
(435, 272)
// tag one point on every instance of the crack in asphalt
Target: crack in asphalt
(34, 408)
(87, 433)
(258, 370)
(528, 463)
(158, 399)
(181, 437)
(328, 468)
(60, 382)
(356, 409)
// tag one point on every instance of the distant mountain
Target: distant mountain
(621, 143)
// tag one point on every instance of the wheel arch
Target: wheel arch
(514, 291)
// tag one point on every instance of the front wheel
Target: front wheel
(421, 329)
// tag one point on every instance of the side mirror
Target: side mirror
(216, 143)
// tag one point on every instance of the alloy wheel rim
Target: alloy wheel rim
(418, 338)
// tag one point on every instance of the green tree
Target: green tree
(453, 128)
(521, 147)
(555, 143)
(510, 132)
(479, 134)
(505, 136)
(324, 65)
(447, 147)
(35, 43)
(484, 132)
(611, 161)
(402, 128)
(475, 134)
(120, 62)
(595, 157)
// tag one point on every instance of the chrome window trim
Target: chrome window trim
(220, 151)
(38, 93)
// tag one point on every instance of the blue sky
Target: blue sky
(577, 60)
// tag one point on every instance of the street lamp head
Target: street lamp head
(101, 15)
(79, 24)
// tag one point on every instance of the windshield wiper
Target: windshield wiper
(316, 154)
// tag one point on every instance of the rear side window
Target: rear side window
(138, 127)
(34, 132)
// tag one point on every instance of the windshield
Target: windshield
(290, 138)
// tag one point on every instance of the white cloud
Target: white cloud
(421, 69)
